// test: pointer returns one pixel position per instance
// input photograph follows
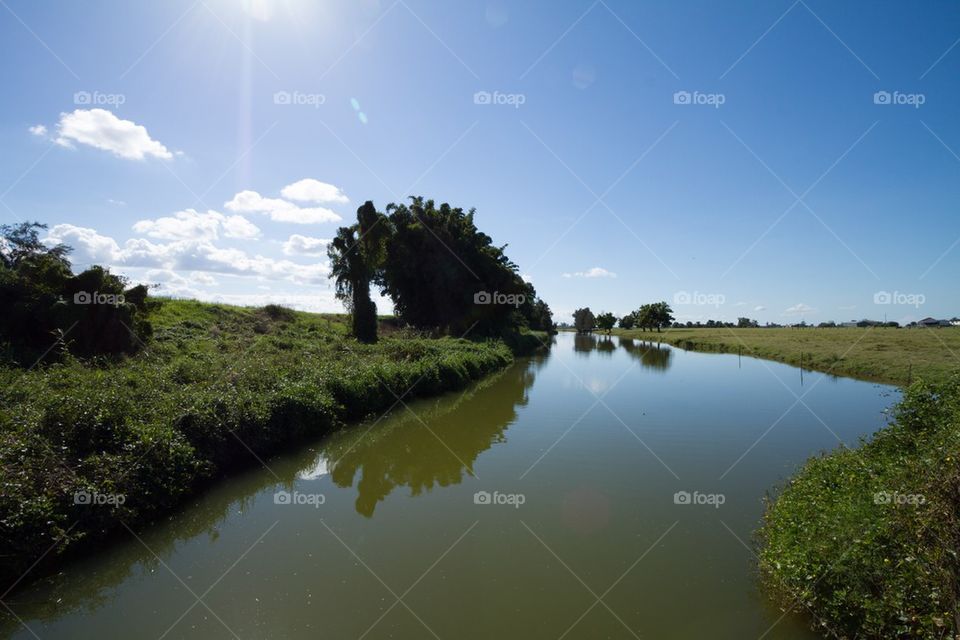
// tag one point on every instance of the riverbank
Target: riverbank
(880, 354)
(865, 541)
(88, 447)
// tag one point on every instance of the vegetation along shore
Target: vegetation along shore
(117, 405)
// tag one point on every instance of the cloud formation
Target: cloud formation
(595, 272)
(101, 129)
(310, 190)
(279, 210)
(191, 225)
(199, 255)
(298, 245)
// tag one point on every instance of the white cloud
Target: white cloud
(183, 225)
(310, 190)
(101, 129)
(305, 246)
(182, 255)
(595, 272)
(202, 278)
(279, 210)
(798, 309)
(38, 130)
(88, 245)
(239, 227)
(759, 307)
(192, 225)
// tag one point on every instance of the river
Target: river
(607, 489)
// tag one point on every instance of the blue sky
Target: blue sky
(731, 158)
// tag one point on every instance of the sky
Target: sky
(782, 160)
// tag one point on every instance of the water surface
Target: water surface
(544, 502)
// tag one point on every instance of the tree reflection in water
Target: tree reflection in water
(406, 449)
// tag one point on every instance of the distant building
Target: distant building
(933, 322)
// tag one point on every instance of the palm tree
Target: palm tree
(356, 255)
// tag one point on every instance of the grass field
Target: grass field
(216, 387)
(893, 356)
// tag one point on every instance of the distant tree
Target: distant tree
(627, 321)
(606, 321)
(644, 317)
(584, 320)
(357, 255)
(662, 315)
(746, 323)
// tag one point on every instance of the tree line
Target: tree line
(655, 315)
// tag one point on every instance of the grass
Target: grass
(865, 541)
(217, 387)
(892, 356)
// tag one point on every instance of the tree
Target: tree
(357, 254)
(627, 321)
(661, 314)
(444, 274)
(583, 320)
(746, 323)
(644, 317)
(606, 321)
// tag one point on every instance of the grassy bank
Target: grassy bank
(87, 446)
(893, 356)
(865, 541)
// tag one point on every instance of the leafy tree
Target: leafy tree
(606, 321)
(746, 323)
(584, 320)
(644, 317)
(662, 315)
(444, 274)
(627, 321)
(357, 254)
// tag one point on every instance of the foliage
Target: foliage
(216, 384)
(445, 275)
(653, 316)
(584, 320)
(866, 540)
(44, 302)
(606, 321)
(627, 321)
